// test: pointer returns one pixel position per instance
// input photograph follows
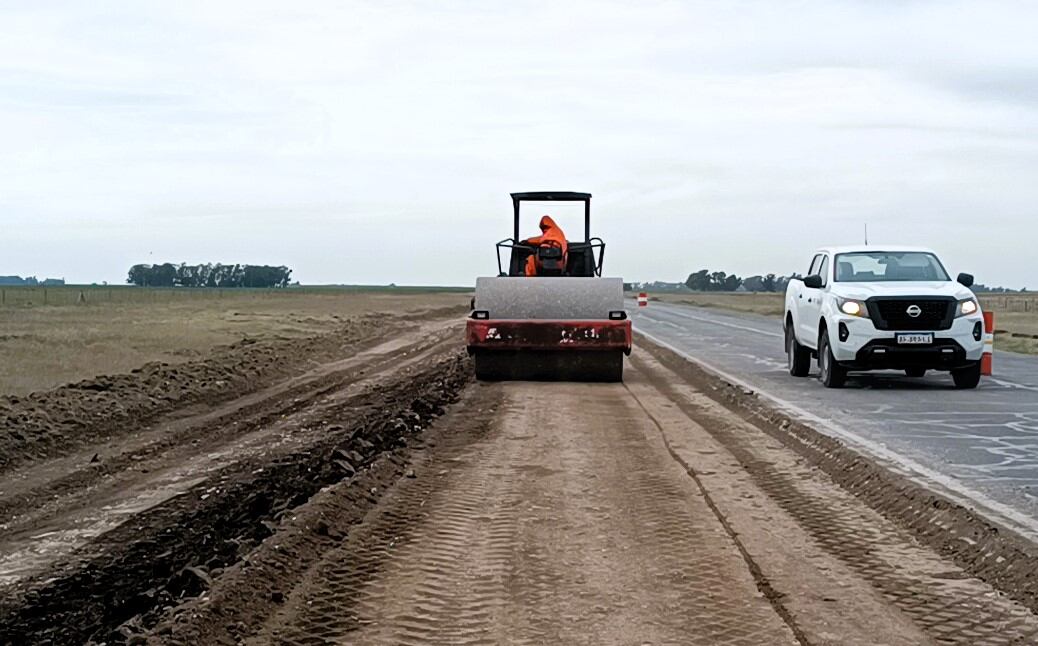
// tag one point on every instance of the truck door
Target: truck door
(811, 303)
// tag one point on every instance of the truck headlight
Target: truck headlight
(851, 307)
(967, 307)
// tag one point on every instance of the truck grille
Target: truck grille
(893, 313)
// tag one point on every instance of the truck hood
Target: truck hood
(862, 291)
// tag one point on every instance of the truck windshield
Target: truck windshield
(888, 266)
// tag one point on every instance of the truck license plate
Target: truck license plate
(914, 339)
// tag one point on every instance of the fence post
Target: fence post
(44, 295)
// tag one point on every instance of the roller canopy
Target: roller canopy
(551, 196)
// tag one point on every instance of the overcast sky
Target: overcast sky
(377, 142)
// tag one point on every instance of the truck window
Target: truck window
(888, 266)
(824, 270)
(815, 262)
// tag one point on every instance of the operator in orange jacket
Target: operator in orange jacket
(551, 236)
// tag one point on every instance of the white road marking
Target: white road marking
(1012, 384)
(951, 487)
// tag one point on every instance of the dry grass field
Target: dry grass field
(766, 304)
(114, 331)
(1016, 315)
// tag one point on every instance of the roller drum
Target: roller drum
(581, 299)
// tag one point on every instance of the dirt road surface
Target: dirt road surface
(386, 498)
(591, 514)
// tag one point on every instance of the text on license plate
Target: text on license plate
(914, 339)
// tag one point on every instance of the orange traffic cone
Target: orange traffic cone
(989, 344)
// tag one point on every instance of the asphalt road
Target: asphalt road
(979, 446)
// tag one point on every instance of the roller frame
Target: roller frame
(548, 335)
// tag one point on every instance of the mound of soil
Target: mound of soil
(130, 578)
(52, 423)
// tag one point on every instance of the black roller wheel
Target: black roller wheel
(605, 366)
(798, 357)
(967, 378)
(830, 373)
(915, 372)
(493, 366)
(562, 365)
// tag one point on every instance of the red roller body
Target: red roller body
(537, 334)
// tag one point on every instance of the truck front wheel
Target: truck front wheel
(830, 373)
(966, 378)
(798, 357)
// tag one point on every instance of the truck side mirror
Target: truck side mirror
(814, 281)
(966, 280)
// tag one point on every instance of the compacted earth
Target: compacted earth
(359, 487)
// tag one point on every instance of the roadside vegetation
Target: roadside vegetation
(208, 275)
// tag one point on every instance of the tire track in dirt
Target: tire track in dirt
(345, 594)
(564, 524)
(142, 566)
(945, 602)
(171, 458)
(21, 488)
(53, 423)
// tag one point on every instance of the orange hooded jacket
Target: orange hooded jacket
(552, 234)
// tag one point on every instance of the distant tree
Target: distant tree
(164, 275)
(138, 275)
(754, 284)
(717, 279)
(209, 275)
(705, 280)
(699, 281)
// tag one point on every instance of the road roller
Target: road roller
(549, 314)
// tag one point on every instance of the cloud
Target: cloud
(330, 135)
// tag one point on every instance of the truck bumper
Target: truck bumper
(505, 335)
(866, 348)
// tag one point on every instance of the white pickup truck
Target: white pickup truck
(876, 308)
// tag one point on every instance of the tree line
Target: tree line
(705, 280)
(31, 281)
(208, 275)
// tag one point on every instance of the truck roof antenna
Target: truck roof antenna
(866, 234)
